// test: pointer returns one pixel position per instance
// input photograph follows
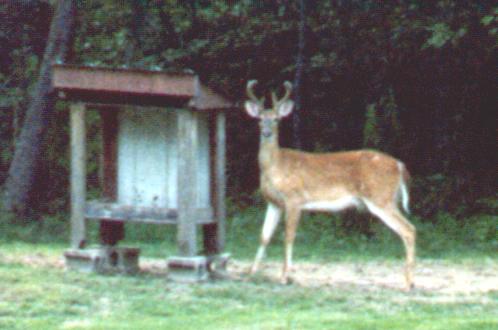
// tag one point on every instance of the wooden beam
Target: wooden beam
(214, 234)
(187, 182)
(111, 232)
(142, 214)
(110, 126)
(78, 175)
(220, 179)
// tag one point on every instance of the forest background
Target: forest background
(416, 79)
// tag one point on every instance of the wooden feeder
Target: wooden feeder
(163, 161)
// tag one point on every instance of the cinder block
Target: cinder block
(198, 268)
(104, 260)
(188, 269)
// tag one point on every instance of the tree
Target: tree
(22, 173)
(414, 79)
(298, 95)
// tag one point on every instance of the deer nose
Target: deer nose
(266, 133)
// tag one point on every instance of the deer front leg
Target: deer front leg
(273, 214)
(292, 220)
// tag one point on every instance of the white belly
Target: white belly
(331, 206)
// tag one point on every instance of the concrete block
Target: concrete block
(198, 268)
(188, 269)
(104, 260)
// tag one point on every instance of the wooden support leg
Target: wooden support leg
(214, 234)
(111, 232)
(78, 176)
(187, 152)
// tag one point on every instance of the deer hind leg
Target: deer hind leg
(405, 230)
(273, 215)
(291, 222)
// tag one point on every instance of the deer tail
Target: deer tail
(403, 187)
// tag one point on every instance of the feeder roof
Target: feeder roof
(134, 86)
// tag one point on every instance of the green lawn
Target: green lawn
(36, 292)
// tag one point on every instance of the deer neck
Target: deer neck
(268, 152)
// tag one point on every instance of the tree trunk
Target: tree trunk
(136, 34)
(296, 117)
(23, 168)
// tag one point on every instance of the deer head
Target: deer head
(268, 118)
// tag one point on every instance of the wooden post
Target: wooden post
(214, 234)
(220, 180)
(187, 147)
(78, 175)
(111, 232)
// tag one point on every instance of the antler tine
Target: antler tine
(288, 91)
(250, 91)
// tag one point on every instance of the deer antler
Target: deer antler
(288, 91)
(250, 92)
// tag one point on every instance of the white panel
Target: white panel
(172, 161)
(126, 156)
(148, 158)
(143, 157)
(150, 169)
(203, 193)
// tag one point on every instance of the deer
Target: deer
(293, 181)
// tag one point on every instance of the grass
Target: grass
(34, 297)
(37, 293)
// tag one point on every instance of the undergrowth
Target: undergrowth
(319, 236)
(324, 236)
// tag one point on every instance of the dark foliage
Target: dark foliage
(415, 79)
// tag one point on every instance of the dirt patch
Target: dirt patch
(442, 278)
(436, 281)
(34, 260)
(430, 276)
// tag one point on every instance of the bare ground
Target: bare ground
(431, 276)
(444, 281)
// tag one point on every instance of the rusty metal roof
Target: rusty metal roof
(134, 86)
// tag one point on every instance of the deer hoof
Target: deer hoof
(410, 287)
(285, 280)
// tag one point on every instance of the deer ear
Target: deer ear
(285, 108)
(252, 108)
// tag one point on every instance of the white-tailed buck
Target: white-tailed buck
(293, 181)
